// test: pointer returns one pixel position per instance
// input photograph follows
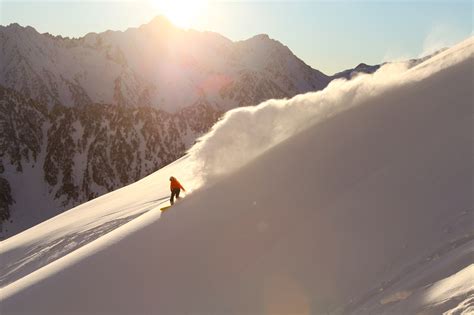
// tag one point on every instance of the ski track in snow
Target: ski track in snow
(42, 253)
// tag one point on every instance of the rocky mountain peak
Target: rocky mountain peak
(159, 23)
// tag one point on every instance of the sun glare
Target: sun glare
(182, 13)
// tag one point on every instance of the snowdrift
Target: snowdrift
(356, 199)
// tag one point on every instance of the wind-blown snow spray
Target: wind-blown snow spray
(245, 133)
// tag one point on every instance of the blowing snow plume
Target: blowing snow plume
(355, 200)
(245, 133)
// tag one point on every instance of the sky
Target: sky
(328, 35)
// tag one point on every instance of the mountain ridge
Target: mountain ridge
(142, 65)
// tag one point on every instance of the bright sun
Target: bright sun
(182, 13)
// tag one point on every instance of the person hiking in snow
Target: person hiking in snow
(175, 188)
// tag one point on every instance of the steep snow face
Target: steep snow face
(350, 200)
(151, 65)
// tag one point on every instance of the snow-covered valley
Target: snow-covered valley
(357, 199)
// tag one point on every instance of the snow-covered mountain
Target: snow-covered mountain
(353, 200)
(81, 117)
(360, 68)
(155, 65)
(52, 160)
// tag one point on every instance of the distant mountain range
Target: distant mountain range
(361, 68)
(155, 65)
(84, 116)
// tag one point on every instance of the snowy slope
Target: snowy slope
(356, 199)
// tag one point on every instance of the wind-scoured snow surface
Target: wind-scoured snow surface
(356, 199)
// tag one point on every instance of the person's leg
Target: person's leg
(177, 193)
(173, 192)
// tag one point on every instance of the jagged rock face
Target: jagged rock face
(21, 139)
(361, 68)
(5, 197)
(21, 119)
(89, 115)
